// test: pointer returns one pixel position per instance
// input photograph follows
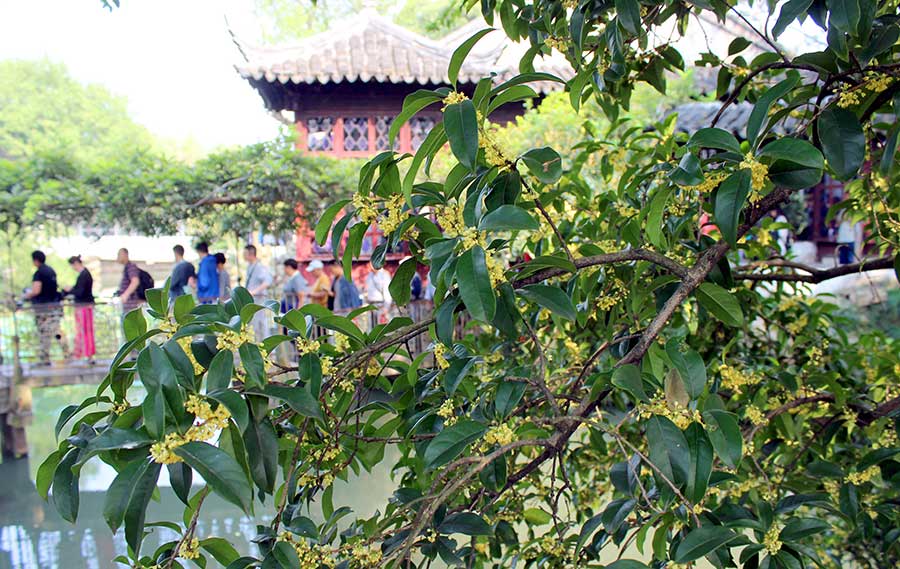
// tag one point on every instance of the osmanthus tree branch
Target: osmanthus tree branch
(814, 275)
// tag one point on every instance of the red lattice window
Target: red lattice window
(320, 134)
(382, 130)
(418, 130)
(356, 134)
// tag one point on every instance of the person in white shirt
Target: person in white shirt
(258, 281)
(377, 293)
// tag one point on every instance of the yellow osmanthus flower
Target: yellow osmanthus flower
(185, 343)
(120, 407)
(772, 539)
(394, 214)
(797, 325)
(626, 210)
(759, 172)
(454, 98)
(472, 237)
(439, 356)
(673, 411)
(311, 556)
(496, 271)
(341, 342)
(307, 346)
(859, 478)
(231, 340)
(849, 98)
(616, 294)
(878, 82)
(499, 435)
(557, 43)
(736, 379)
(211, 422)
(365, 556)
(365, 208)
(189, 549)
(168, 326)
(327, 363)
(450, 218)
(755, 415)
(447, 412)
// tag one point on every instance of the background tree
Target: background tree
(603, 371)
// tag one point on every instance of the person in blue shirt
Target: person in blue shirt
(207, 275)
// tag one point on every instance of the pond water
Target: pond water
(33, 536)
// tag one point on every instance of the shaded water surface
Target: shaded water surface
(33, 536)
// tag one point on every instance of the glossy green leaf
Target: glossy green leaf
(451, 442)
(412, 104)
(323, 226)
(790, 11)
(508, 218)
(690, 367)
(701, 541)
(725, 436)
(298, 398)
(461, 52)
(730, 199)
(544, 163)
(221, 472)
(65, 496)
(717, 138)
(475, 284)
(629, 12)
(760, 111)
(400, 283)
(628, 378)
(843, 141)
(466, 523)
(252, 360)
(550, 297)
(721, 304)
(793, 163)
(220, 372)
(461, 126)
(701, 462)
(688, 172)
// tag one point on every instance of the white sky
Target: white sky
(172, 59)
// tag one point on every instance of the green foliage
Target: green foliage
(44, 110)
(613, 384)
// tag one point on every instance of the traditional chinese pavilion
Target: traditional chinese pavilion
(342, 88)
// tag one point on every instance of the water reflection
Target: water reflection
(33, 536)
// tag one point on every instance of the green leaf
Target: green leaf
(730, 198)
(400, 283)
(628, 377)
(235, 404)
(508, 218)
(475, 285)
(725, 435)
(65, 487)
(323, 227)
(803, 527)
(509, 393)
(702, 541)
(790, 11)
(221, 370)
(253, 364)
(115, 438)
(223, 474)
(135, 324)
(515, 93)
(221, 550)
(760, 110)
(738, 45)
(700, 469)
(721, 304)
(629, 12)
(466, 523)
(537, 516)
(690, 367)
(626, 564)
(793, 163)
(889, 152)
(461, 126)
(717, 138)
(668, 451)
(688, 172)
(451, 442)
(142, 490)
(460, 54)
(298, 398)
(285, 555)
(412, 104)
(844, 15)
(550, 297)
(45, 473)
(843, 141)
(261, 444)
(544, 163)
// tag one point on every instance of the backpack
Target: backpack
(145, 282)
(350, 295)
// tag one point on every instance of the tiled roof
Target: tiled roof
(694, 116)
(370, 47)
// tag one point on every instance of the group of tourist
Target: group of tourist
(209, 282)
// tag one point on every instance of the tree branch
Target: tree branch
(815, 275)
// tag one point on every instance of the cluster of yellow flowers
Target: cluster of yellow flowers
(816, 355)
(327, 363)
(185, 343)
(440, 358)
(394, 214)
(673, 411)
(626, 210)
(450, 217)
(550, 545)
(447, 412)
(735, 379)
(120, 407)
(873, 81)
(759, 173)
(772, 539)
(493, 154)
(365, 208)
(168, 326)
(454, 98)
(231, 340)
(189, 549)
(866, 475)
(307, 346)
(311, 556)
(325, 480)
(499, 435)
(755, 415)
(211, 422)
(797, 325)
(496, 271)
(557, 43)
(341, 342)
(570, 4)
(573, 349)
(878, 82)
(613, 296)
(365, 556)
(347, 384)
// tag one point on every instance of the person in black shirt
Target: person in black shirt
(44, 296)
(83, 296)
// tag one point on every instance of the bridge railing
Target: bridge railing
(60, 332)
